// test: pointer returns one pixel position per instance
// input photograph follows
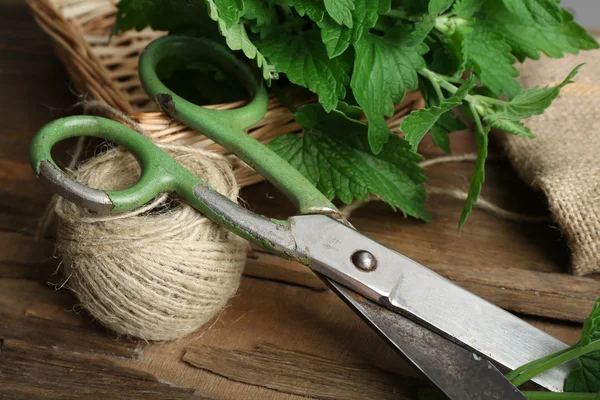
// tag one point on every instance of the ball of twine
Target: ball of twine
(158, 272)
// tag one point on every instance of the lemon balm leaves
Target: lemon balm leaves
(304, 60)
(370, 52)
(484, 51)
(337, 38)
(419, 122)
(529, 102)
(446, 124)
(226, 12)
(529, 39)
(384, 68)
(543, 12)
(586, 378)
(314, 9)
(340, 11)
(334, 154)
(478, 176)
(467, 8)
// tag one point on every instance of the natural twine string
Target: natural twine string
(158, 272)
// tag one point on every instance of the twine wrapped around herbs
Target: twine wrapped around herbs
(158, 272)
(563, 161)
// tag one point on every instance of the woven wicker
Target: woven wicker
(104, 68)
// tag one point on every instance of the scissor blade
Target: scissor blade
(407, 287)
(457, 372)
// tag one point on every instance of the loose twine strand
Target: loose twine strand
(456, 193)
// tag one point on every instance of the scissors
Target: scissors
(453, 336)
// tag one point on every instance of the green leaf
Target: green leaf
(352, 112)
(261, 11)
(334, 154)
(314, 9)
(467, 8)
(586, 378)
(162, 15)
(226, 11)
(528, 39)
(437, 7)
(543, 12)
(338, 38)
(529, 102)
(305, 62)
(446, 124)
(237, 38)
(478, 177)
(422, 27)
(513, 127)
(384, 68)
(485, 51)
(419, 122)
(340, 11)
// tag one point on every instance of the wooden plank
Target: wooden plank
(24, 249)
(52, 350)
(302, 373)
(48, 333)
(560, 296)
(30, 371)
(21, 256)
(551, 295)
(290, 317)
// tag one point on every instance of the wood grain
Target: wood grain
(546, 294)
(302, 373)
(29, 371)
(552, 295)
(50, 348)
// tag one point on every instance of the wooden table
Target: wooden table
(283, 336)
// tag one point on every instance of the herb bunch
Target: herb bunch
(361, 56)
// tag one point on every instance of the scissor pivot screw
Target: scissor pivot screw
(364, 260)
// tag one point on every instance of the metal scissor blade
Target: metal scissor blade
(407, 287)
(457, 372)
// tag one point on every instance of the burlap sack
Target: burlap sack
(563, 161)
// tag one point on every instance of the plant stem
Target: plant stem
(443, 82)
(515, 373)
(559, 396)
(452, 79)
(480, 129)
(434, 82)
(556, 361)
(433, 394)
(398, 14)
(287, 10)
(490, 100)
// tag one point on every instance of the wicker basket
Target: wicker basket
(104, 68)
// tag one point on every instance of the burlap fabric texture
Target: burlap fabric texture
(563, 161)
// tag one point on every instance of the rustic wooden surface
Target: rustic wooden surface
(283, 336)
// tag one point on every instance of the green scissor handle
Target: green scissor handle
(226, 127)
(160, 173)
